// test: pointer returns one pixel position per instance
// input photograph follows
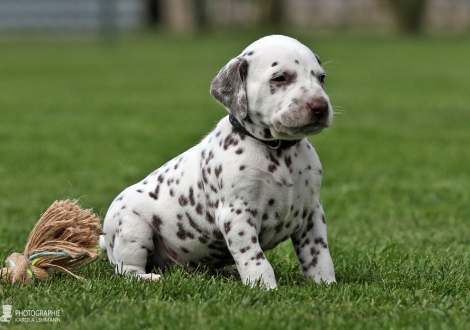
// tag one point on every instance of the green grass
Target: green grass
(77, 119)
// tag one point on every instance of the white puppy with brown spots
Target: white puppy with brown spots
(249, 185)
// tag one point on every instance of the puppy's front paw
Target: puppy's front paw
(262, 275)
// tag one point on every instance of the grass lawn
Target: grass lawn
(79, 119)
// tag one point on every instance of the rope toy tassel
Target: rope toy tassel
(65, 238)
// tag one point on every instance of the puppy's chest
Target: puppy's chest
(278, 187)
(289, 201)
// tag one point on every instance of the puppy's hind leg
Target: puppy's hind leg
(133, 247)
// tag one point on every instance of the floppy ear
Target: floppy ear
(229, 87)
(318, 59)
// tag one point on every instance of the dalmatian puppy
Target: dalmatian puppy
(250, 184)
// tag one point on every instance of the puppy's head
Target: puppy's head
(275, 88)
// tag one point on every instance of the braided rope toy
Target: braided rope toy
(65, 239)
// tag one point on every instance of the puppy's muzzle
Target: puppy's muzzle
(319, 109)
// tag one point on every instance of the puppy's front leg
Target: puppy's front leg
(240, 232)
(311, 248)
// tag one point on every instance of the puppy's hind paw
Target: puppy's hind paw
(152, 277)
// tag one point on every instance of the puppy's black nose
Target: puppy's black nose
(318, 107)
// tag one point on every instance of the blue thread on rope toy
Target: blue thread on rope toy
(33, 257)
(30, 273)
(56, 254)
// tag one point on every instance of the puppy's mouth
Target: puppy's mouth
(298, 132)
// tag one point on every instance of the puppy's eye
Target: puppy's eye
(280, 78)
(322, 78)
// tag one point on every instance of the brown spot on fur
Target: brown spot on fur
(314, 252)
(227, 227)
(218, 170)
(214, 189)
(193, 224)
(199, 208)
(229, 141)
(246, 248)
(154, 194)
(209, 218)
(320, 241)
(182, 233)
(183, 200)
(288, 161)
(191, 196)
(310, 226)
(252, 212)
(156, 223)
(310, 217)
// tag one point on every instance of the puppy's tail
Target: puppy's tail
(102, 243)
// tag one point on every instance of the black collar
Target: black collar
(273, 144)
